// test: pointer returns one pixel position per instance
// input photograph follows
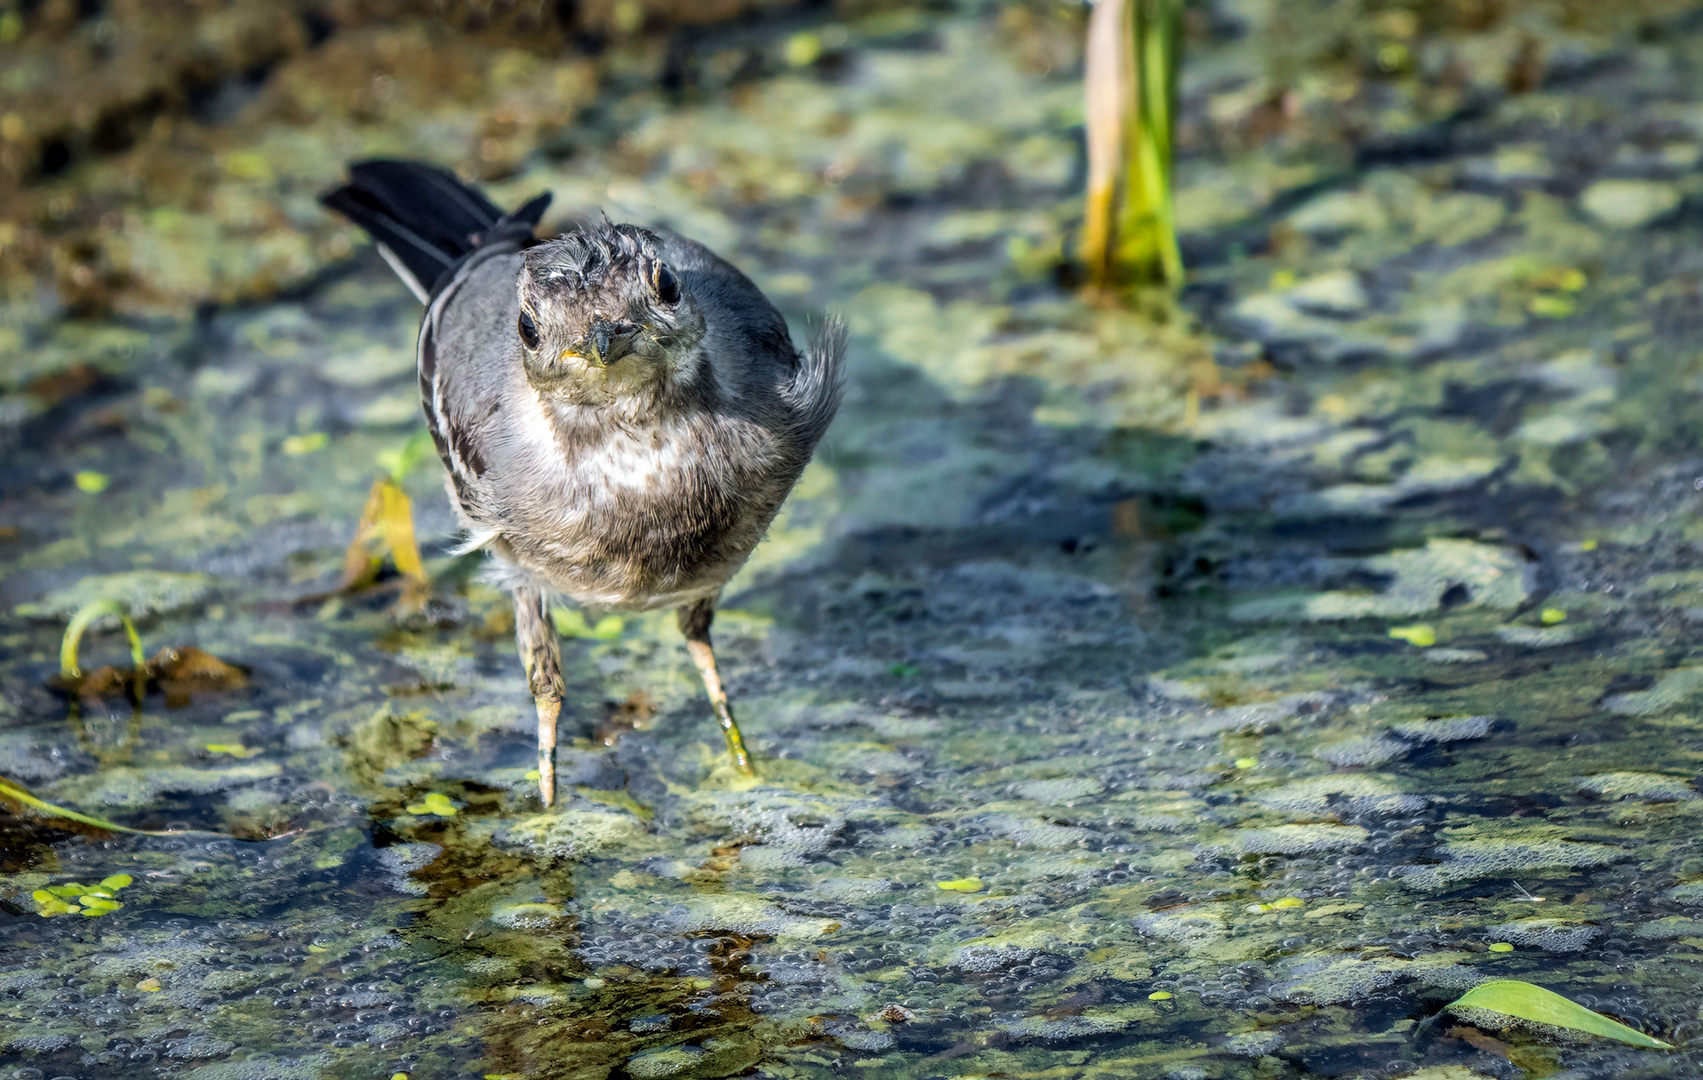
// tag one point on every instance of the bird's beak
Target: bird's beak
(607, 343)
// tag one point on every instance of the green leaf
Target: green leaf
(1515, 998)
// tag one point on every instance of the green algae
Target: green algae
(1010, 631)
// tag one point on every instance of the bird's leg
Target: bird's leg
(542, 655)
(695, 622)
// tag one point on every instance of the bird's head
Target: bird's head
(603, 315)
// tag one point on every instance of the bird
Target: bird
(620, 412)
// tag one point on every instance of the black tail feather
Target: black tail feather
(425, 219)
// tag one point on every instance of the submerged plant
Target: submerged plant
(1133, 54)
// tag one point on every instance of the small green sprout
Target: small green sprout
(399, 461)
(85, 615)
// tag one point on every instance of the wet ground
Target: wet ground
(1196, 689)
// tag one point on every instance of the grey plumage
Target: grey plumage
(620, 411)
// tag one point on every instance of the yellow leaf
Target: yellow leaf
(386, 528)
(1553, 615)
(397, 522)
(91, 482)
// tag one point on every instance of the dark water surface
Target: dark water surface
(1188, 692)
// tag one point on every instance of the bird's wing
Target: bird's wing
(465, 357)
(755, 356)
(820, 381)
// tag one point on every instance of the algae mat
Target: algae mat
(1202, 691)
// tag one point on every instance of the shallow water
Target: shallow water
(1195, 690)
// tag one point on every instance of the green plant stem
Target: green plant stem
(1132, 58)
(11, 791)
(1158, 29)
(87, 614)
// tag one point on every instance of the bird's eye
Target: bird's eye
(528, 329)
(662, 280)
